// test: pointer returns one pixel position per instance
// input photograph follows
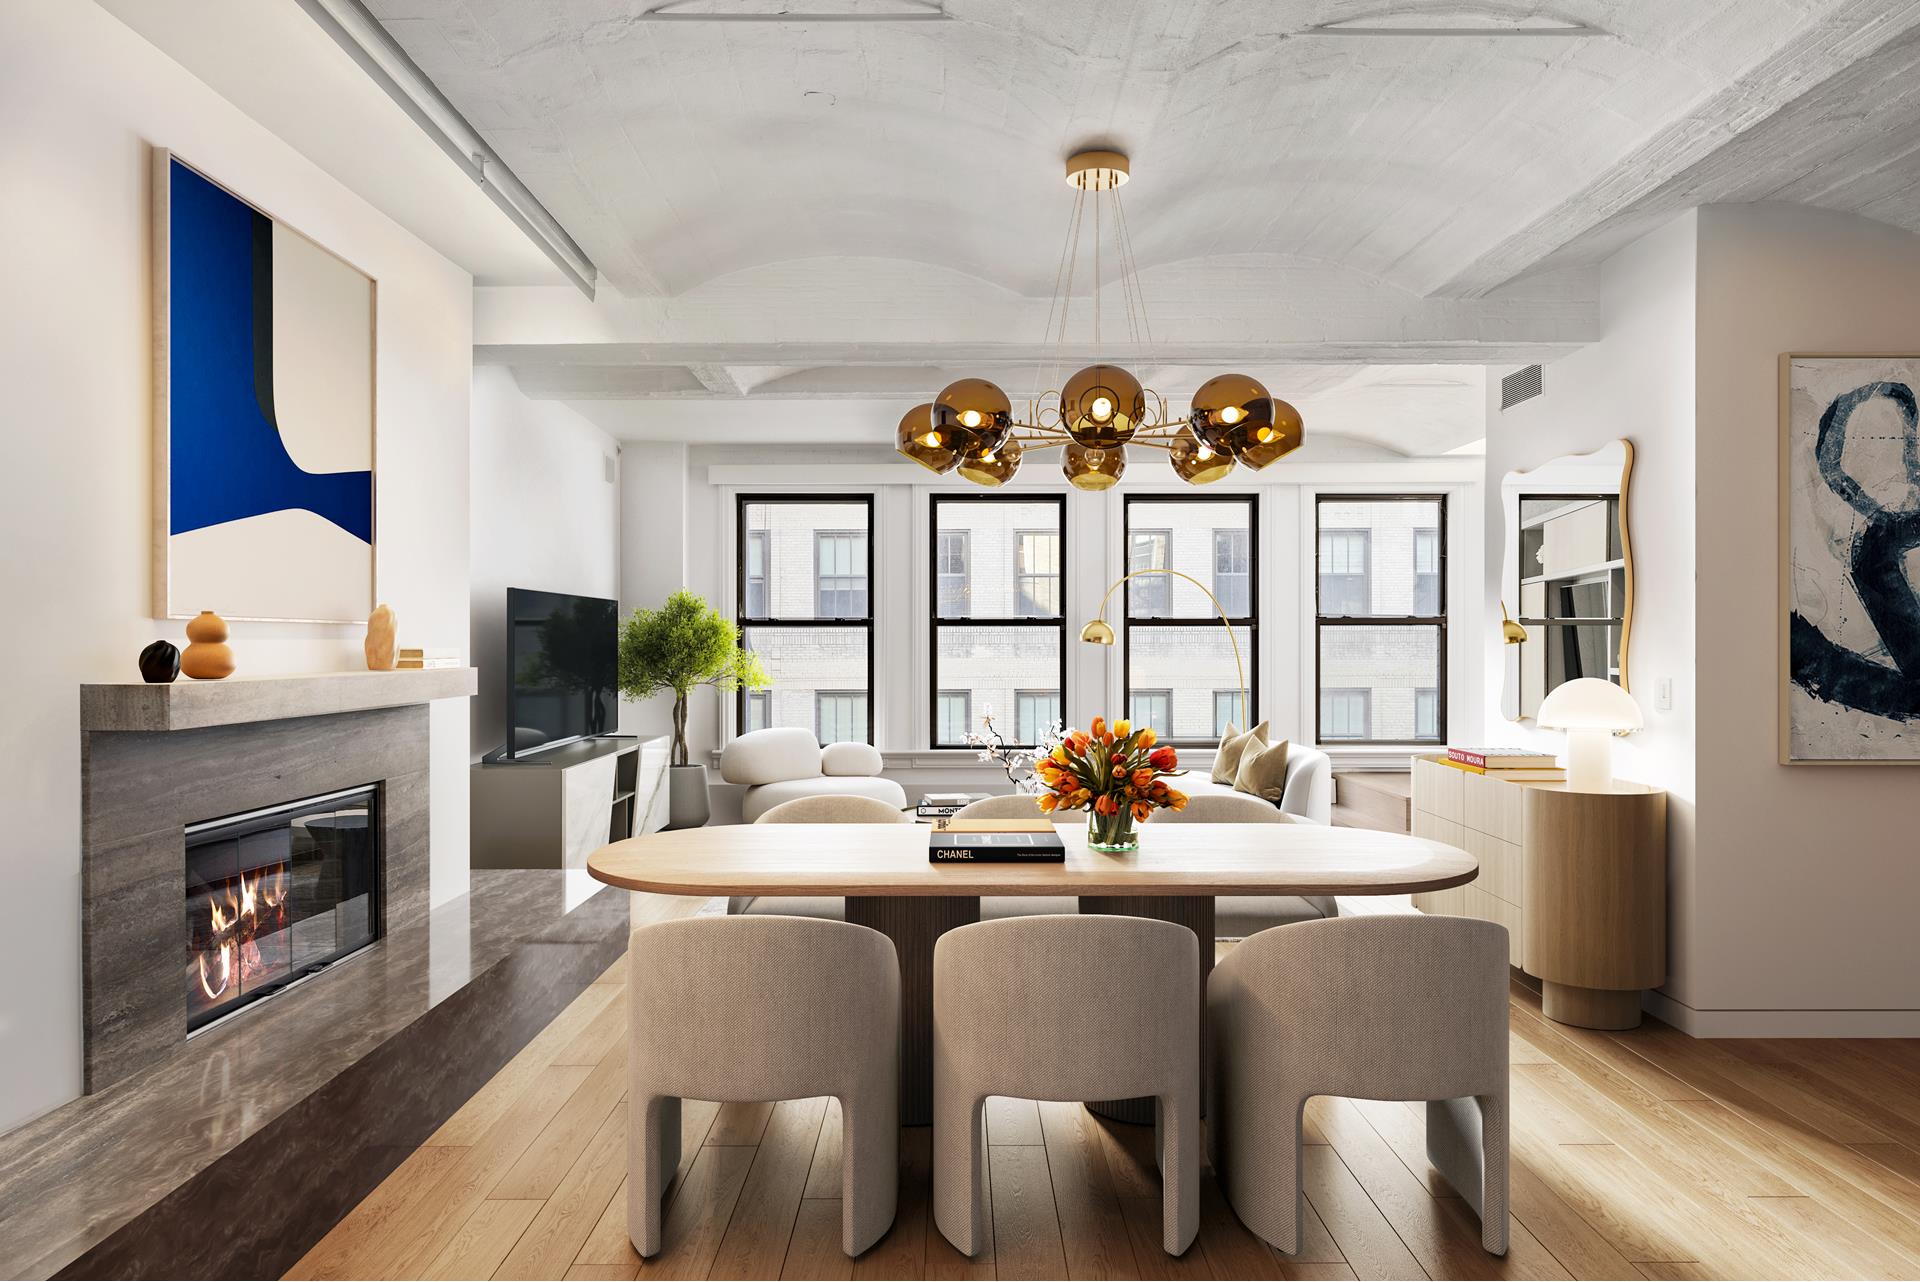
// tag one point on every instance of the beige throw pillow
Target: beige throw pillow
(1226, 762)
(1263, 772)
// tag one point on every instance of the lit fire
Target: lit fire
(237, 925)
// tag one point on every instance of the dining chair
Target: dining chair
(1389, 1008)
(826, 809)
(1064, 1008)
(1021, 805)
(1238, 916)
(749, 1009)
(1006, 805)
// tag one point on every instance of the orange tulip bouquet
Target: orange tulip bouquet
(1117, 774)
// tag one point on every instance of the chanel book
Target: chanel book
(1017, 841)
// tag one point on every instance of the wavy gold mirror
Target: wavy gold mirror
(1566, 574)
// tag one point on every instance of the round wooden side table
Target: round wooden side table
(1596, 900)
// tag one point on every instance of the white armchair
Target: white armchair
(787, 763)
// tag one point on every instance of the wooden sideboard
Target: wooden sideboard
(1578, 879)
(1484, 815)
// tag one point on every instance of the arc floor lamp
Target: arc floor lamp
(1099, 632)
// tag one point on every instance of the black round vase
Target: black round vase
(160, 663)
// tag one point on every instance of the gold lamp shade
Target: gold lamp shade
(990, 465)
(1097, 632)
(1101, 407)
(1091, 469)
(972, 415)
(1196, 462)
(1235, 413)
(921, 441)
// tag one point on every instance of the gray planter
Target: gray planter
(687, 797)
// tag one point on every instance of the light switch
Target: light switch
(1663, 695)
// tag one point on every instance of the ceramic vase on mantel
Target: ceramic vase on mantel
(382, 627)
(208, 657)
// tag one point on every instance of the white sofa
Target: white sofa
(1309, 789)
(787, 763)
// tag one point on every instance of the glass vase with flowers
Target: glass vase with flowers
(1117, 774)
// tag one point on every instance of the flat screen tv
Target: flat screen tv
(562, 661)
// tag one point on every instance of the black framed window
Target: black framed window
(998, 629)
(1033, 712)
(1147, 550)
(805, 607)
(1176, 659)
(952, 570)
(952, 716)
(1380, 650)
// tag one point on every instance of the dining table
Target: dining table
(884, 874)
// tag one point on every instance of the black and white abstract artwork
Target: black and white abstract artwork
(1851, 504)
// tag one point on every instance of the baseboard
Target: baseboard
(1710, 1023)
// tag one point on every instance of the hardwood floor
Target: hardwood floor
(1636, 1154)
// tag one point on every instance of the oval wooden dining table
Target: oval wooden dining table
(883, 873)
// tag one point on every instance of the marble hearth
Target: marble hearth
(155, 759)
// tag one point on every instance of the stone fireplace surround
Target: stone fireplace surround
(157, 758)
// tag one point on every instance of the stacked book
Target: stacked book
(419, 658)
(1508, 762)
(995, 841)
(939, 805)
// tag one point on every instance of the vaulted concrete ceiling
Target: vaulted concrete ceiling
(680, 152)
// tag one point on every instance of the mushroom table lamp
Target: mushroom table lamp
(1591, 711)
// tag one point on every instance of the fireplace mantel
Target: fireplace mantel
(195, 705)
(157, 758)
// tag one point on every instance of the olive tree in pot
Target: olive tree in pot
(683, 645)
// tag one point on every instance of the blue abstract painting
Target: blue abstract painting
(266, 414)
(1852, 507)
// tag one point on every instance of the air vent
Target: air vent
(1521, 385)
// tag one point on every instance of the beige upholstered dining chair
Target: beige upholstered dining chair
(1392, 1008)
(1238, 916)
(1064, 1008)
(830, 809)
(834, 809)
(1016, 805)
(747, 1009)
(1021, 805)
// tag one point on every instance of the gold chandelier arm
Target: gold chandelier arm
(1246, 701)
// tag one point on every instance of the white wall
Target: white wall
(1636, 382)
(1792, 886)
(546, 515)
(82, 100)
(1811, 872)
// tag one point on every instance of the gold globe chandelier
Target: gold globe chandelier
(1099, 413)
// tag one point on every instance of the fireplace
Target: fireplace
(275, 895)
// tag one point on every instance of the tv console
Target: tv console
(554, 808)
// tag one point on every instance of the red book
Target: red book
(1501, 760)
